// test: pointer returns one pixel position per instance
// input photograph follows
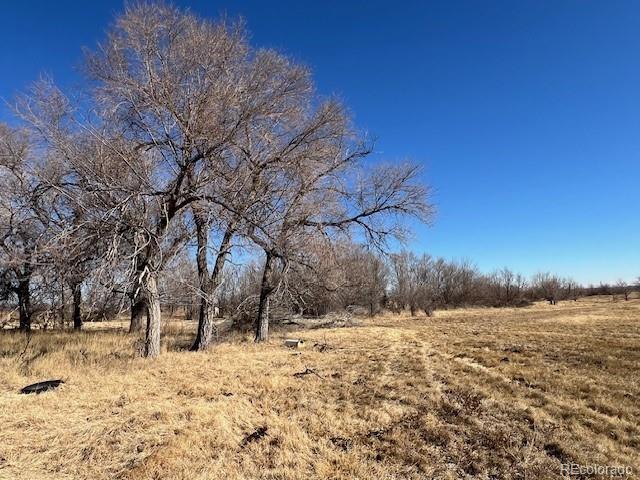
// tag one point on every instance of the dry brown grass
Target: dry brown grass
(477, 393)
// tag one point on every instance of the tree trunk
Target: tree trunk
(77, 301)
(206, 325)
(154, 317)
(209, 284)
(137, 295)
(262, 323)
(63, 301)
(24, 303)
(138, 312)
(262, 326)
(412, 307)
(24, 300)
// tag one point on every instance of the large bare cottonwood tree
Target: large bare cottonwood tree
(184, 128)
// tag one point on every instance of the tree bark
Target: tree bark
(77, 302)
(63, 301)
(209, 284)
(262, 328)
(205, 321)
(138, 312)
(206, 325)
(262, 323)
(138, 302)
(154, 317)
(188, 312)
(24, 302)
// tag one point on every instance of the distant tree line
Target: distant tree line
(347, 276)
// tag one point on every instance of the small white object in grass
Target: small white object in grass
(293, 342)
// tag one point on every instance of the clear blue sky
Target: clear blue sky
(525, 114)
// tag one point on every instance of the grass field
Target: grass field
(475, 393)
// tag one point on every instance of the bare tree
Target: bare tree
(413, 282)
(403, 281)
(184, 125)
(22, 234)
(547, 286)
(573, 290)
(624, 288)
(170, 92)
(210, 280)
(316, 203)
(178, 284)
(367, 275)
